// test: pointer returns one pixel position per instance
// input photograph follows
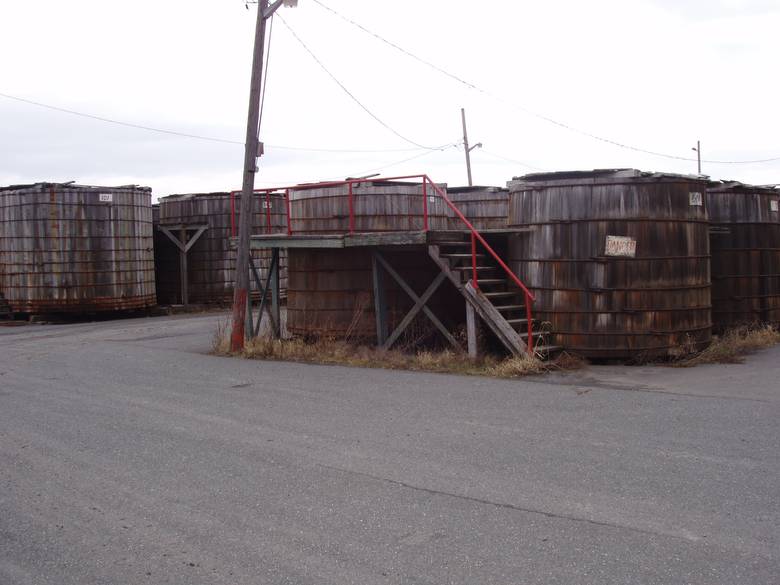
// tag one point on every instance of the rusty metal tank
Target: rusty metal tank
(745, 244)
(211, 260)
(378, 206)
(485, 207)
(76, 248)
(619, 260)
(330, 291)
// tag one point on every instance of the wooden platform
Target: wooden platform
(366, 239)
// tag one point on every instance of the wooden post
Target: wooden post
(380, 307)
(185, 295)
(276, 317)
(471, 330)
(251, 152)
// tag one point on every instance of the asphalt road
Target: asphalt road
(129, 456)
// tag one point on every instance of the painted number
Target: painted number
(106, 197)
(696, 199)
(773, 205)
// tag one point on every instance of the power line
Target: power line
(118, 122)
(265, 75)
(360, 173)
(351, 95)
(195, 136)
(512, 160)
(527, 110)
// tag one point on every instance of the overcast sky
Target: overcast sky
(654, 74)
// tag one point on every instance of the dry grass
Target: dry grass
(733, 345)
(220, 340)
(339, 352)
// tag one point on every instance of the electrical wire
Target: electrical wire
(118, 122)
(265, 77)
(195, 136)
(527, 110)
(359, 173)
(352, 96)
(512, 160)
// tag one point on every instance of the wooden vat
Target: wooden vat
(76, 248)
(166, 264)
(745, 244)
(330, 292)
(378, 206)
(485, 207)
(618, 260)
(211, 260)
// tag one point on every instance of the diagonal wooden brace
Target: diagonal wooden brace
(419, 305)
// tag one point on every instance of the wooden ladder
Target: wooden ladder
(495, 299)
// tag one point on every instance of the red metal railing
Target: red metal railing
(475, 235)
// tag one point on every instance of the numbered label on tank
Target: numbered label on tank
(697, 199)
(620, 246)
(266, 205)
(773, 205)
(431, 199)
(106, 197)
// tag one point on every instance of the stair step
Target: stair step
(524, 334)
(495, 295)
(483, 268)
(452, 244)
(517, 321)
(460, 255)
(482, 281)
(510, 307)
(548, 348)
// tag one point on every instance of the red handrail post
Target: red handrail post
(425, 203)
(474, 261)
(530, 323)
(351, 210)
(287, 204)
(268, 211)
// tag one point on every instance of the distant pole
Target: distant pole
(698, 155)
(241, 288)
(466, 144)
(466, 147)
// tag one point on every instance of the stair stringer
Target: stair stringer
(484, 308)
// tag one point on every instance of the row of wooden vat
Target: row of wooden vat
(621, 262)
(378, 206)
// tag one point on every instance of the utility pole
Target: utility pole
(698, 155)
(251, 153)
(466, 145)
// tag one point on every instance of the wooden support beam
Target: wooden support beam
(380, 306)
(471, 331)
(263, 295)
(185, 291)
(408, 290)
(276, 317)
(184, 243)
(418, 306)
